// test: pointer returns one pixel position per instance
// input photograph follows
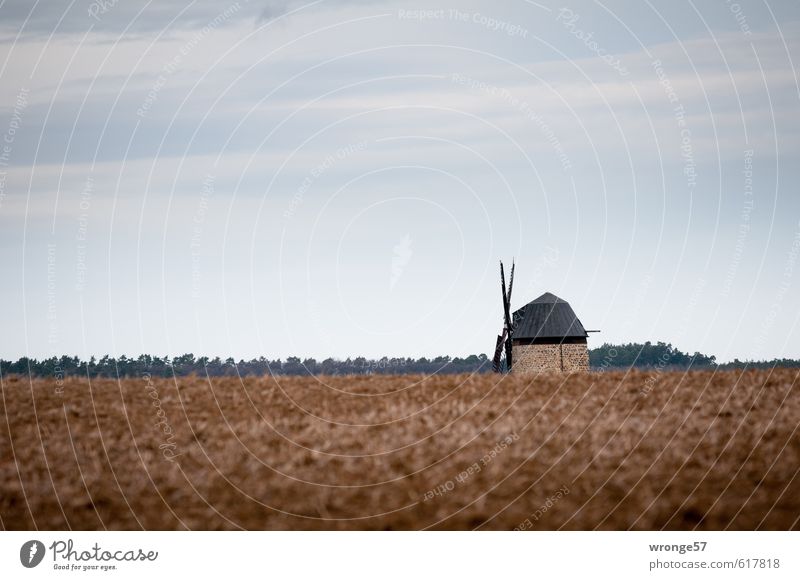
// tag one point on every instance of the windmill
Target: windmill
(504, 339)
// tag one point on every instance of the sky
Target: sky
(316, 179)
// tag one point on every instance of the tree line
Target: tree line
(647, 355)
(606, 357)
(187, 364)
(665, 356)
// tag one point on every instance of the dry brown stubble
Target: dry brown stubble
(702, 450)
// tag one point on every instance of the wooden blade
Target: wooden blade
(507, 314)
(498, 352)
(511, 283)
(503, 286)
(506, 304)
(509, 354)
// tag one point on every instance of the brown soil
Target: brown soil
(583, 451)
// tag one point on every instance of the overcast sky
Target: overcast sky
(342, 178)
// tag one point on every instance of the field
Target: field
(699, 450)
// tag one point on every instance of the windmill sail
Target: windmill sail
(509, 322)
(504, 340)
(497, 361)
(511, 283)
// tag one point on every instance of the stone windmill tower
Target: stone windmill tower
(544, 335)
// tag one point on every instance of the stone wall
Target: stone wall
(536, 358)
(575, 358)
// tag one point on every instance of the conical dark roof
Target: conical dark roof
(547, 317)
(548, 298)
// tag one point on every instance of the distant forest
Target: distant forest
(660, 355)
(665, 356)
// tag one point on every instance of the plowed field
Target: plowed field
(616, 450)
